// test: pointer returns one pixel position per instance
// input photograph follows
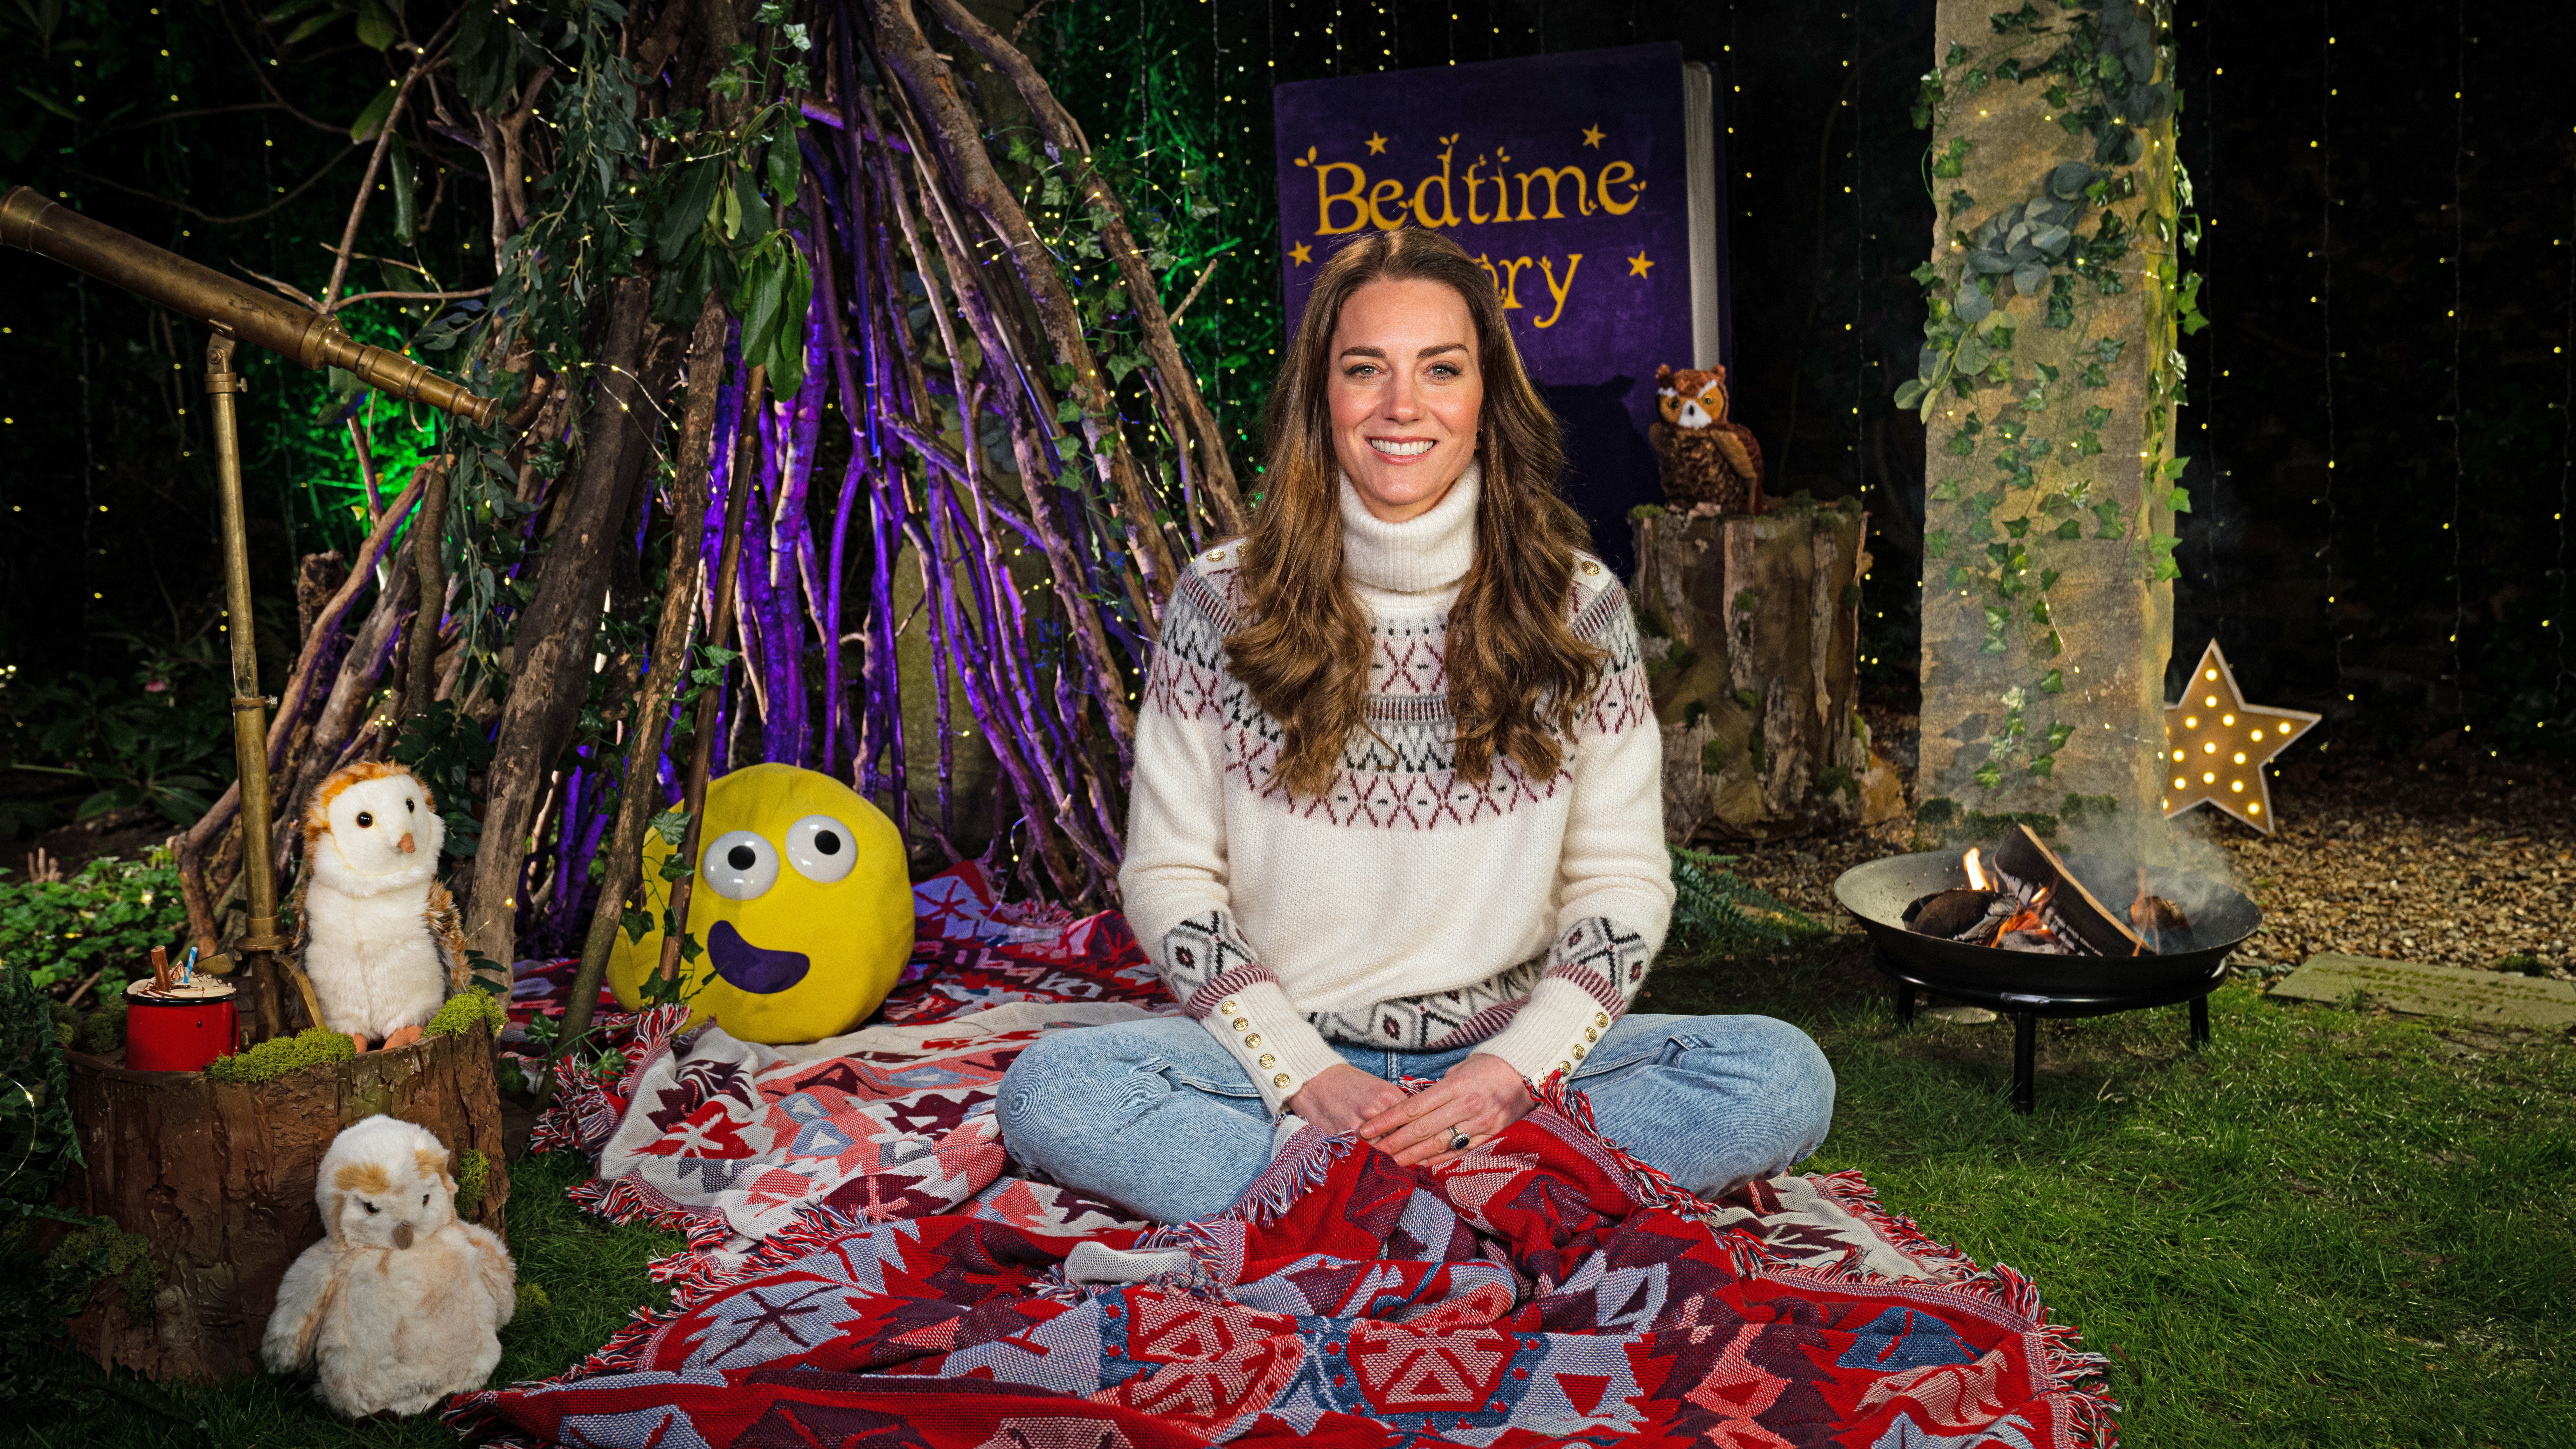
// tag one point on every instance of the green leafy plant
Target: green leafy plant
(103, 921)
(1715, 910)
(156, 737)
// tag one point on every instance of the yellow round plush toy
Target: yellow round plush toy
(802, 905)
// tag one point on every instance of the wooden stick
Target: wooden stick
(375, 162)
(1216, 471)
(957, 136)
(648, 721)
(693, 798)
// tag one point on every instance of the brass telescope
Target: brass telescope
(238, 312)
(50, 229)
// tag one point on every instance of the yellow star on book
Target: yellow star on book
(1299, 254)
(2216, 745)
(1592, 136)
(1377, 144)
(1638, 264)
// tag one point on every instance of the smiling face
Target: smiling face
(802, 905)
(1406, 393)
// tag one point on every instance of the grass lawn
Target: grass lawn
(2327, 1228)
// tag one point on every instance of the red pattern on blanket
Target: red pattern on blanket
(1537, 1292)
(729, 1141)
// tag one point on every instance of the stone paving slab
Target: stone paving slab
(2485, 997)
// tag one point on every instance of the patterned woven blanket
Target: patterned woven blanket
(729, 1140)
(863, 1271)
(1540, 1291)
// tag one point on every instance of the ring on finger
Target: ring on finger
(1458, 1139)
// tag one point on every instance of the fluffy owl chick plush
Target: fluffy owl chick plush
(1705, 459)
(400, 1304)
(379, 934)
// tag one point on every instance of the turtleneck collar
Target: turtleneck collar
(1426, 554)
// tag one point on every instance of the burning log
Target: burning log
(2030, 901)
(2033, 871)
(1973, 916)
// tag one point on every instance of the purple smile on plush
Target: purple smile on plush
(753, 968)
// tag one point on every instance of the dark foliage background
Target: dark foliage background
(2417, 588)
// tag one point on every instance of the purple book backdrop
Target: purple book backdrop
(1565, 174)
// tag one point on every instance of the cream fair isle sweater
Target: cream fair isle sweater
(1404, 908)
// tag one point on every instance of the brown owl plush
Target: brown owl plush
(1704, 458)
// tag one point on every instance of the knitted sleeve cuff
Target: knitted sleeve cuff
(1594, 970)
(1279, 1049)
(1212, 973)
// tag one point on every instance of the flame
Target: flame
(1977, 872)
(2040, 899)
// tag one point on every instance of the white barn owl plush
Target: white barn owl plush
(400, 1304)
(379, 934)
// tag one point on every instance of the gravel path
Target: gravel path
(2447, 861)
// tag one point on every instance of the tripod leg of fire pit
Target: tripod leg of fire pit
(2199, 1022)
(2025, 1063)
(1904, 1003)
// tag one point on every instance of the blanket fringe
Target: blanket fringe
(1855, 1195)
(1650, 1185)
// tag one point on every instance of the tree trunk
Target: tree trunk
(552, 651)
(219, 1176)
(1751, 630)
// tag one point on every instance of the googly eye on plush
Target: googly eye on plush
(822, 849)
(740, 865)
(365, 819)
(411, 807)
(424, 1199)
(371, 1208)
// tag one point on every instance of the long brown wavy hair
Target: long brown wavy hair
(1518, 678)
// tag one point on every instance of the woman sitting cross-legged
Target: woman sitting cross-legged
(1397, 807)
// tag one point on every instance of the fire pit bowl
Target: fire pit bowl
(2029, 986)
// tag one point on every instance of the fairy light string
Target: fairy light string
(2459, 266)
(2566, 467)
(2325, 322)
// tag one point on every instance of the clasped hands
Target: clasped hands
(1480, 1097)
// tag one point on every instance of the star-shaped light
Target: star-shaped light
(1638, 264)
(1299, 254)
(1592, 136)
(2216, 745)
(1377, 144)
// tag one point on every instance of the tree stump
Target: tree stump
(1751, 632)
(219, 1176)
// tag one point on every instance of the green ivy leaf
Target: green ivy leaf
(1936, 544)
(1990, 775)
(2053, 682)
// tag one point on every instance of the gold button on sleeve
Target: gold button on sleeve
(1241, 1024)
(1599, 1018)
(1280, 1080)
(1226, 1006)
(1578, 1054)
(1590, 1035)
(1254, 1040)
(1268, 1061)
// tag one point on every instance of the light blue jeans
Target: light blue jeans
(1155, 1115)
